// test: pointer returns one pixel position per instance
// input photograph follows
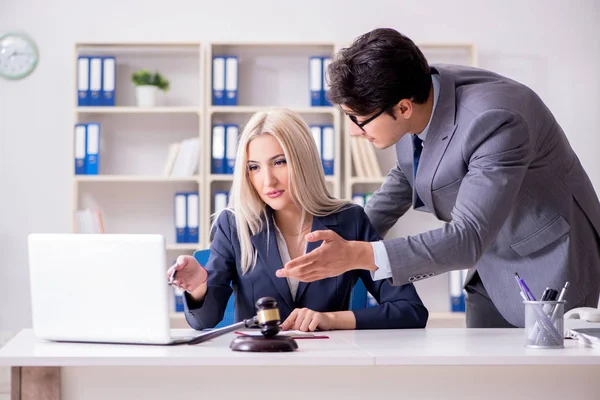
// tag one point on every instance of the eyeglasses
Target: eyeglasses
(362, 124)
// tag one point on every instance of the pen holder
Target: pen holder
(544, 324)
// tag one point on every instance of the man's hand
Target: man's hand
(307, 320)
(334, 257)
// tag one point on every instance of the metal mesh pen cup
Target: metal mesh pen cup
(544, 324)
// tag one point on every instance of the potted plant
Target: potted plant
(147, 86)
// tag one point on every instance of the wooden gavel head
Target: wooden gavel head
(267, 315)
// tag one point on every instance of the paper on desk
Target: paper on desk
(293, 334)
(589, 337)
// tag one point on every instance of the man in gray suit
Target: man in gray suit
(482, 153)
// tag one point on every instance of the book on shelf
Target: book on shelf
(183, 158)
(364, 159)
(89, 221)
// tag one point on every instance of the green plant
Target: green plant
(145, 77)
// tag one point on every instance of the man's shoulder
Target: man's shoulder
(478, 90)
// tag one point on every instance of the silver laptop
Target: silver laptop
(103, 288)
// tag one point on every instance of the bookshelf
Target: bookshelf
(130, 189)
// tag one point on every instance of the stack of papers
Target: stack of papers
(589, 337)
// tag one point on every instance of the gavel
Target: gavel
(268, 319)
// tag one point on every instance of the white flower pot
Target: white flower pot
(146, 95)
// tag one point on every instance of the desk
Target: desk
(423, 363)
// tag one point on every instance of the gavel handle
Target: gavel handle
(248, 323)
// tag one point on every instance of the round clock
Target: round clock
(18, 55)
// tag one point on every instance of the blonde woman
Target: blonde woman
(279, 196)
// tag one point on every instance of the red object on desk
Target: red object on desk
(314, 336)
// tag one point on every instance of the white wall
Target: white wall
(551, 45)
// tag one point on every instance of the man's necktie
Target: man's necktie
(418, 148)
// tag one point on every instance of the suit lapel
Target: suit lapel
(266, 247)
(439, 135)
(319, 224)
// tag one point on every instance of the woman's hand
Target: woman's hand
(189, 274)
(307, 320)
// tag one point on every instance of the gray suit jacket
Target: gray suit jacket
(497, 167)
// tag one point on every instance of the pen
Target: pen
(525, 288)
(173, 274)
(521, 289)
(545, 294)
(561, 297)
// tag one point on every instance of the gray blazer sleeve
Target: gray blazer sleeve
(389, 202)
(497, 151)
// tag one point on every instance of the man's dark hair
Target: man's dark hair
(378, 70)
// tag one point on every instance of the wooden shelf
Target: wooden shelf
(135, 178)
(359, 180)
(254, 109)
(139, 110)
(184, 247)
(220, 178)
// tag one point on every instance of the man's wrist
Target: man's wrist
(364, 255)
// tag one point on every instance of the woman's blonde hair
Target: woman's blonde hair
(306, 178)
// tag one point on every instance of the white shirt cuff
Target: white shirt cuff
(382, 262)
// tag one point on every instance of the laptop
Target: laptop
(101, 288)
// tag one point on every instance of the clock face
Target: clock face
(18, 56)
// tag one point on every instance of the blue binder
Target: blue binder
(328, 149)
(83, 81)
(231, 142)
(180, 216)
(178, 294)
(315, 81)
(193, 213)
(92, 153)
(324, 98)
(220, 201)
(95, 81)
(231, 81)
(109, 75)
(218, 149)
(457, 294)
(359, 198)
(80, 148)
(218, 81)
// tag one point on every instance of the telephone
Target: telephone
(584, 313)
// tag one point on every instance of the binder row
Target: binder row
(324, 138)
(224, 148)
(456, 281)
(96, 80)
(317, 72)
(87, 148)
(361, 198)
(225, 81)
(187, 212)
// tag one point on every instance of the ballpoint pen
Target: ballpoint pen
(525, 288)
(172, 277)
(561, 297)
(545, 294)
